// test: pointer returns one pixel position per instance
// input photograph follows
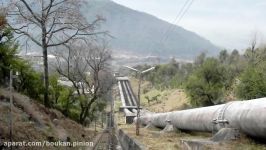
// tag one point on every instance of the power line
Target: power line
(177, 19)
(185, 11)
(174, 26)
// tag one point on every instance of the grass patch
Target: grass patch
(168, 99)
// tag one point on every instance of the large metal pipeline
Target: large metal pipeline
(131, 94)
(247, 116)
(127, 96)
(126, 111)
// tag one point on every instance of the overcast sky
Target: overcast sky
(227, 23)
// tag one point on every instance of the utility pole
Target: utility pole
(102, 118)
(138, 105)
(11, 103)
(140, 75)
(112, 109)
(11, 77)
(95, 121)
(111, 122)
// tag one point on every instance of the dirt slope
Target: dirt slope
(33, 122)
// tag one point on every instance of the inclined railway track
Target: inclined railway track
(105, 142)
(129, 96)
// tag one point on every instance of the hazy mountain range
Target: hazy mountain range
(141, 34)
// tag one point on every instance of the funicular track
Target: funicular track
(128, 93)
(107, 139)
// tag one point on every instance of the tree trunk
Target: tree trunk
(46, 78)
(86, 110)
(84, 115)
(45, 63)
(81, 114)
(66, 109)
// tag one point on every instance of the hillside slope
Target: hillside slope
(140, 33)
(32, 122)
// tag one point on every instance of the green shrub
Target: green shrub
(252, 83)
(205, 86)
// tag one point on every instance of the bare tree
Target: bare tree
(2, 20)
(50, 23)
(253, 48)
(86, 66)
(253, 54)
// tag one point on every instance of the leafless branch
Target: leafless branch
(78, 60)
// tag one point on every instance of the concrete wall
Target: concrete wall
(128, 143)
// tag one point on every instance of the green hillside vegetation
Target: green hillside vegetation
(214, 80)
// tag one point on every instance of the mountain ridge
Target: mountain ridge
(139, 33)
